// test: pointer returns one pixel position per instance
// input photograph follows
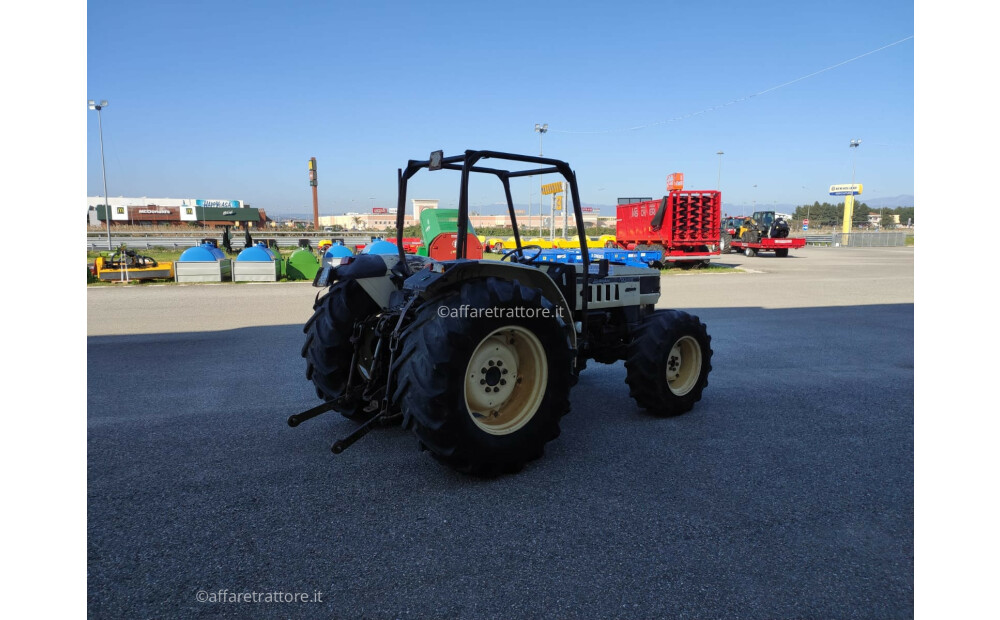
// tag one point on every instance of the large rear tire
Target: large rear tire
(725, 243)
(328, 349)
(668, 362)
(484, 394)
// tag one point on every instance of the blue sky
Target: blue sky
(229, 100)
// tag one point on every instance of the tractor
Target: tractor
(762, 225)
(731, 226)
(477, 357)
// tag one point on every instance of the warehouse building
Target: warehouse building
(381, 218)
(144, 211)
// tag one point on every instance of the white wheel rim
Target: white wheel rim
(505, 380)
(683, 365)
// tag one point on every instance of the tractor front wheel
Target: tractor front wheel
(668, 362)
(483, 375)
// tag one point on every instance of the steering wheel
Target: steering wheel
(520, 251)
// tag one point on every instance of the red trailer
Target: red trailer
(685, 224)
(780, 247)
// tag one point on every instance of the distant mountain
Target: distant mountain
(904, 200)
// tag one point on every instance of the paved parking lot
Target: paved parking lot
(786, 493)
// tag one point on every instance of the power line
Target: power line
(739, 100)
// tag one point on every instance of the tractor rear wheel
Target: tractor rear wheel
(328, 349)
(668, 362)
(484, 391)
(725, 243)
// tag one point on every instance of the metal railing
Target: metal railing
(859, 239)
(819, 239)
(138, 240)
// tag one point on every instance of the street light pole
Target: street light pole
(541, 129)
(93, 105)
(849, 218)
(854, 158)
(718, 183)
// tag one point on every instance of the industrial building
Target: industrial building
(381, 218)
(144, 211)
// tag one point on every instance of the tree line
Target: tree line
(826, 214)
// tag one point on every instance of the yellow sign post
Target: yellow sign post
(848, 191)
(552, 188)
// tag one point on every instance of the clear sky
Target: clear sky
(229, 100)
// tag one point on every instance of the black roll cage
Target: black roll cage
(467, 163)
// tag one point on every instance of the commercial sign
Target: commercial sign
(675, 181)
(152, 213)
(222, 204)
(588, 209)
(845, 190)
(559, 203)
(380, 210)
(552, 188)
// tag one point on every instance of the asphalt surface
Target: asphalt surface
(786, 493)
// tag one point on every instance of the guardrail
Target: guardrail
(859, 239)
(97, 242)
(819, 239)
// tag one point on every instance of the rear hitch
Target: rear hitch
(342, 444)
(299, 418)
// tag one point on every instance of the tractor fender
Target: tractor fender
(432, 283)
(371, 271)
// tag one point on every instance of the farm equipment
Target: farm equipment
(731, 227)
(477, 357)
(683, 225)
(439, 228)
(764, 231)
(125, 264)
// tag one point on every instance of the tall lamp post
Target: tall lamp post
(718, 183)
(93, 105)
(854, 158)
(541, 129)
(849, 218)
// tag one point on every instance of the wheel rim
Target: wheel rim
(683, 365)
(505, 380)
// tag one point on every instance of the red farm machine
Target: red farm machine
(684, 225)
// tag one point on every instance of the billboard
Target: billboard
(552, 188)
(846, 190)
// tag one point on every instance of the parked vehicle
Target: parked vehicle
(477, 357)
